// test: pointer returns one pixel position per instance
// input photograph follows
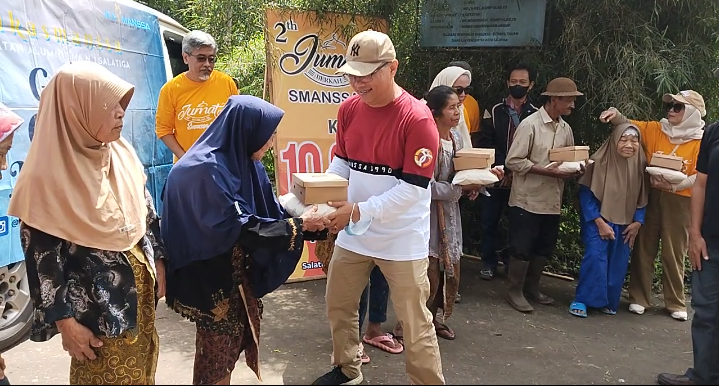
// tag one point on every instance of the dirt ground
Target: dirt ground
(494, 345)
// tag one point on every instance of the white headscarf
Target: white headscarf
(691, 127)
(447, 77)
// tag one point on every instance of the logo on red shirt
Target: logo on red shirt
(423, 157)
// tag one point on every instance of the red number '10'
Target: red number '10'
(305, 157)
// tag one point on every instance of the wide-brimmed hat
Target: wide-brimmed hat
(562, 87)
(367, 51)
(688, 97)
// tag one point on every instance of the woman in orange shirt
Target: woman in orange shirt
(668, 214)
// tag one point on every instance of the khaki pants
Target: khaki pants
(667, 219)
(409, 291)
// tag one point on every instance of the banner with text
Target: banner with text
(482, 23)
(303, 52)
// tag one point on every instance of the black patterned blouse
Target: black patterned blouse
(95, 287)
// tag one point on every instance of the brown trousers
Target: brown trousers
(409, 290)
(667, 219)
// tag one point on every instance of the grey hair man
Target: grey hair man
(196, 46)
(192, 100)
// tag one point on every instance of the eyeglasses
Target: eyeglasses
(462, 90)
(676, 107)
(366, 78)
(203, 58)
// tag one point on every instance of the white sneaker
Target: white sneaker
(636, 309)
(680, 316)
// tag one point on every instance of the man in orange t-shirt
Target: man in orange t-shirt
(191, 101)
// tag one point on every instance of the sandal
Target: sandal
(398, 337)
(381, 342)
(364, 358)
(578, 309)
(486, 274)
(443, 331)
(608, 311)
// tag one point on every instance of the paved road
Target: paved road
(495, 344)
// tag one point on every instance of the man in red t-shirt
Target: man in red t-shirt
(387, 143)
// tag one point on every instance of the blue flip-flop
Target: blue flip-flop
(578, 309)
(608, 311)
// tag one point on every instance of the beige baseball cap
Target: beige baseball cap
(367, 51)
(688, 97)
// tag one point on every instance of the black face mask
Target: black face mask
(518, 92)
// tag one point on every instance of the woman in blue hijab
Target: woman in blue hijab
(228, 240)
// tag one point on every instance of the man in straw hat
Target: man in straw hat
(536, 197)
(387, 142)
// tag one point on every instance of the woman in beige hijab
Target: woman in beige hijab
(460, 80)
(89, 230)
(613, 194)
(668, 213)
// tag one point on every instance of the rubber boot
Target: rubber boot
(515, 296)
(531, 283)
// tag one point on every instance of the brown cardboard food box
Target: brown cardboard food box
(318, 188)
(569, 154)
(667, 161)
(473, 158)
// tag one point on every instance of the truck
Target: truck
(37, 37)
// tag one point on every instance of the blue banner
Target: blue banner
(39, 36)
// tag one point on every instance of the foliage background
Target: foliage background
(620, 53)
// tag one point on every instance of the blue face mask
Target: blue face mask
(360, 227)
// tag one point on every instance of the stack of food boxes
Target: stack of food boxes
(319, 188)
(473, 158)
(569, 159)
(669, 166)
(472, 167)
